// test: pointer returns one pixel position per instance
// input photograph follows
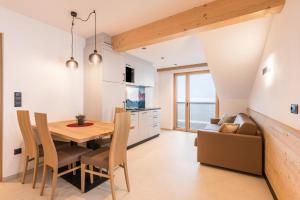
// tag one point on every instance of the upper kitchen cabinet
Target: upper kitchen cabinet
(144, 71)
(113, 66)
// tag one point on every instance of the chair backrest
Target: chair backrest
(118, 110)
(27, 133)
(118, 147)
(50, 154)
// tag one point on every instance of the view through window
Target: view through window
(195, 100)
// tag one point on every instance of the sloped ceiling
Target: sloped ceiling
(181, 51)
(233, 54)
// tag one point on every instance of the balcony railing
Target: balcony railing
(200, 114)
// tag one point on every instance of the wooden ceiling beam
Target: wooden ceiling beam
(213, 15)
(164, 69)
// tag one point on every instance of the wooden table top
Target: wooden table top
(80, 134)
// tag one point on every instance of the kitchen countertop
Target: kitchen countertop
(142, 109)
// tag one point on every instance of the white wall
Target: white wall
(233, 54)
(34, 64)
(273, 93)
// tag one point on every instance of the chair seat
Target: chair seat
(58, 145)
(104, 142)
(97, 158)
(71, 154)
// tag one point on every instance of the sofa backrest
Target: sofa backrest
(247, 125)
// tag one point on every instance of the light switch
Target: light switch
(294, 108)
(18, 99)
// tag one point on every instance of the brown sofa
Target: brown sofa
(240, 151)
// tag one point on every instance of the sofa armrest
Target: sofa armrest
(233, 151)
(214, 120)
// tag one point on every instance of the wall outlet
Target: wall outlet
(17, 151)
(294, 108)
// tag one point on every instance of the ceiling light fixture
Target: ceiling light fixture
(95, 57)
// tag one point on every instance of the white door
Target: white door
(133, 134)
(113, 66)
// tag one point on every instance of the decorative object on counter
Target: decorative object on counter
(95, 57)
(80, 119)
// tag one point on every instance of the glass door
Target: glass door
(180, 102)
(195, 100)
(202, 100)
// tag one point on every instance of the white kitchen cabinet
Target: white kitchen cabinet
(144, 72)
(134, 122)
(113, 95)
(113, 65)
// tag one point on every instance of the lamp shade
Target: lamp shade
(72, 63)
(95, 58)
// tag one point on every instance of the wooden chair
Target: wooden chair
(104, 142)
(33, 151)
(116, 156)
(55, 159)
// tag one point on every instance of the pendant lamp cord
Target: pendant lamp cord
(85, 20)
(72, 36)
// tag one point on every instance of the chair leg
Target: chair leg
(112, 185)
(91, 168)
(43, 179)
(126, 176)
(83, 177)
(54, 183)
(25, 169)
(36, 166)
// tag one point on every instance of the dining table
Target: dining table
(91, 130)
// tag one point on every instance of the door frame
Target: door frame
(187, 97)
(1, 107)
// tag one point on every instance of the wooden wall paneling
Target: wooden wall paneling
(282, 156)
(1, 107)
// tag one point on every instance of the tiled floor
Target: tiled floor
(162, 169)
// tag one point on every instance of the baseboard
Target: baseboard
(141, 142)
(270, 187)
(166, 129)
(15, 176)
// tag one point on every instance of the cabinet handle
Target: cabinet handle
(123, 77)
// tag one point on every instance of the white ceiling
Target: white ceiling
(181, 51)
(113, 16)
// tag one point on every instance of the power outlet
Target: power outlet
(294, 108)
(17, 151)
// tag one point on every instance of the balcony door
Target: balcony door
(195, 100)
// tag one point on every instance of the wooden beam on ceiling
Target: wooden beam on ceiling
(213, 15)
(182, 67)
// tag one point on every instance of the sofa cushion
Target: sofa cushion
(229, 128)
(226, 119)
(247, 125)
(212, 127)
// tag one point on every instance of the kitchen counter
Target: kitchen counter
(142, 109)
